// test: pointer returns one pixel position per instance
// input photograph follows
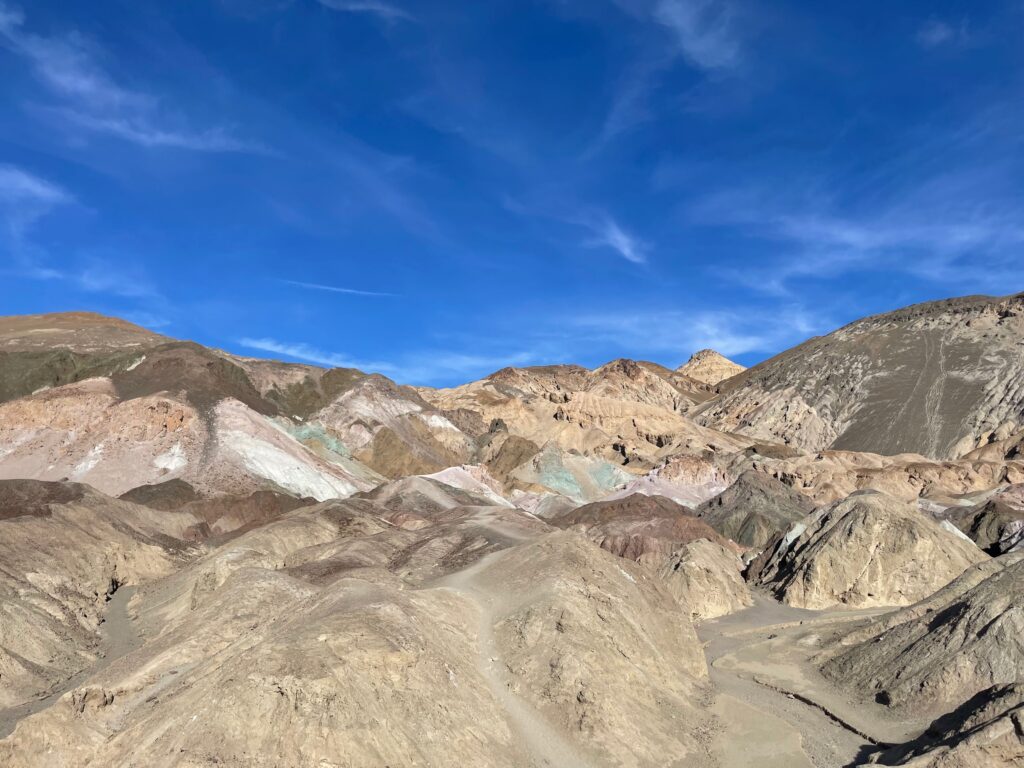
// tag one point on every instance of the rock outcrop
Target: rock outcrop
(937, 655)
(64, 548)
(627, 412)
(996, 525)
(705, 577)
(710, 367)
(643, 528)
(868, 550)
(985, 732)
(754, 509)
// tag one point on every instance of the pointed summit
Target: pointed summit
(710, 367)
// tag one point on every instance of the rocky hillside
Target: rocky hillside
(626, 412)
(937, 379)
(709, 367)
(512, 572)
(964, 639)
(869, 550)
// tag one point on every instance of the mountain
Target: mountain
(505, 638)
(513, 571)
(938, 379)
(709, 367)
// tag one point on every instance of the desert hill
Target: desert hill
(514, 571)
(938, 379)
(710, 367)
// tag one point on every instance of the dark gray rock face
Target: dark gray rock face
(997, 525)
(754, 509)
(938, 379)
(985, 731)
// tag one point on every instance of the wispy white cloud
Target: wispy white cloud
(124, 278)
(680, 333)
(24, 199)
(603, 230)
(935, 232)
(337, 289)
(69, 67)
(310, 354)
(630, 105)
(608, 234)
(706, 33)
(140, 130)
(934, 33)
(424, 367)
(385, 11)
(18, 186)
(704, 30)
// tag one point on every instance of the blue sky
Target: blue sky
(437, 190)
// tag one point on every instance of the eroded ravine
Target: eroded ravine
(118, 637)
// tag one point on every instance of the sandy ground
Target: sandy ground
(776, 710)
(118, 637)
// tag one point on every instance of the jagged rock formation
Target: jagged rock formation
(709, 367)
(964, 639)
(754, 509)
(937, 379)
(627, 412)
(580, 478)
(869, 550)
(833, 475)
(997, 524)
(686, 479)
(705, 577)
(638, 527)
(986, 731)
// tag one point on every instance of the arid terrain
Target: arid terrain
(208, 559)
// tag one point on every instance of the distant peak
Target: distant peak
(710, 367)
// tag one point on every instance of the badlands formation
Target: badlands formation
(208, 559)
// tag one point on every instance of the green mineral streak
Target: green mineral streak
(316, 435)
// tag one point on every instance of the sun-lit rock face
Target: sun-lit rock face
(710, 367)
(868, 550)
(936, 655)
(705, 576)
(629, 413)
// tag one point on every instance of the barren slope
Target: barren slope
(937, 379)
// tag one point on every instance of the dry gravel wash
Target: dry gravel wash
(776, 709)
(118, 637)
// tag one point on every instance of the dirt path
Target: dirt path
(117, 638)
(765, 725)
(546, 746)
